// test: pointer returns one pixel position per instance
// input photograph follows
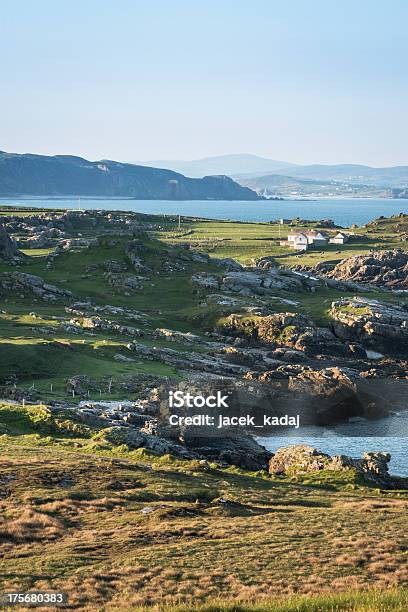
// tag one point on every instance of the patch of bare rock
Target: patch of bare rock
(8, 247)
(387, 269)
(255, 281)
(300, 459)
(23, 284)
(292, 330)
(382, 326)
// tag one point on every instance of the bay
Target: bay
(343, 211)
(388, 435)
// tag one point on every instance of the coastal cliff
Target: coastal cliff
(62, 175)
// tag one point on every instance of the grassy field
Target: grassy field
(247, 241)
(119, 529)
(39, 352)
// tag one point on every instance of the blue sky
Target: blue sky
(298, 80)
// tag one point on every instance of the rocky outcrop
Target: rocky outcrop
(176, 336)
(259, 282)
(300, 459)
(232, 265)
(337, 394)
(232, 447)
(134, 438)
(22, 283)
(325, 395)
(206, 281)
(8, 247)
(382, 268)
(124, 283)
(378, 325)
(97, 323)
(133, 425)
(256, 281)
(43, 239)
(82, 309)
(186, 360)
(290, 330)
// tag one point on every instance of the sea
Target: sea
(342, 211)
(388, 435)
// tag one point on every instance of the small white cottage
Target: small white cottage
(339, 238)
(298, 241)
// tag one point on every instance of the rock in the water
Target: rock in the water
(302, 459)
(337, 394)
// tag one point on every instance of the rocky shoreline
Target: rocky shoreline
(261, 348)
(372, 467)
(140, 424)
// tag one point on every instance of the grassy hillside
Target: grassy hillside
(118, 529)
(38, 351)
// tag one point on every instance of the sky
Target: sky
(306, 81)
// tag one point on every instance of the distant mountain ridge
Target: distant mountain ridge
(278, 185)
(230, 165)
(62, 175)
(245, 166)
(344, 180)
(355, 173)
(68, 175)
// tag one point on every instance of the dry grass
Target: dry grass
(108, 531)
(30, 526)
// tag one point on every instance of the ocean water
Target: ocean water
(344, 212)
(353, 439)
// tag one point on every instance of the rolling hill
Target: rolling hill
(222, 164)
(243, 167)
(394, 176)
(63, 175)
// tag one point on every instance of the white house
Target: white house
(298, 241)
(339, 238)
(316, 238)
